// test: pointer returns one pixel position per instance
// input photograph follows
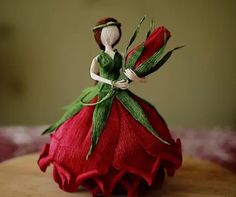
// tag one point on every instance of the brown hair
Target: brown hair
(97, 32)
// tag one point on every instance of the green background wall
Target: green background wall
(46, 48)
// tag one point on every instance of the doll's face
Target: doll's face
(109, 35)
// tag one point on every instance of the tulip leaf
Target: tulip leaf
(133, 38)
(135, 56)
(148, 64)
(155, 67)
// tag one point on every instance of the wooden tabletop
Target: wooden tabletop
(21, 177)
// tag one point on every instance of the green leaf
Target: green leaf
(134, 57)
(155, 67)
(133, 38)
(150, 62)
(150, 29)
(100, 116)
(150, 104)
(137, 112)
(135, 32)
(88, 94)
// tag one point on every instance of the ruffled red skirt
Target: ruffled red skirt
(127, 159)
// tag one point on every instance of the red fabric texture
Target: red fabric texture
(127, 159)
(152, 44)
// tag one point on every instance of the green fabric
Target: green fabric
(137, 112)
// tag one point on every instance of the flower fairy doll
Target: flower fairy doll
(110, 140)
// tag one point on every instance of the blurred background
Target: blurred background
(46, 48)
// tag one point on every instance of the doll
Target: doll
(110, 140)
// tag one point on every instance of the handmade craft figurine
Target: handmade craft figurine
(109, 140)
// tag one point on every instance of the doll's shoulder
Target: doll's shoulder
(95, 61)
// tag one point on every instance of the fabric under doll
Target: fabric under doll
(110, 140)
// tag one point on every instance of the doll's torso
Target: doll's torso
(109, 67)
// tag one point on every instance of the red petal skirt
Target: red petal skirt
(127, 159)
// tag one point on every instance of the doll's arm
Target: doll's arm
(122, 84)
(132, 76)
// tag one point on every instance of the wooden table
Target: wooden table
(21, 177)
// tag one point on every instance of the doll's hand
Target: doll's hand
(122, 84)
(132, 75)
